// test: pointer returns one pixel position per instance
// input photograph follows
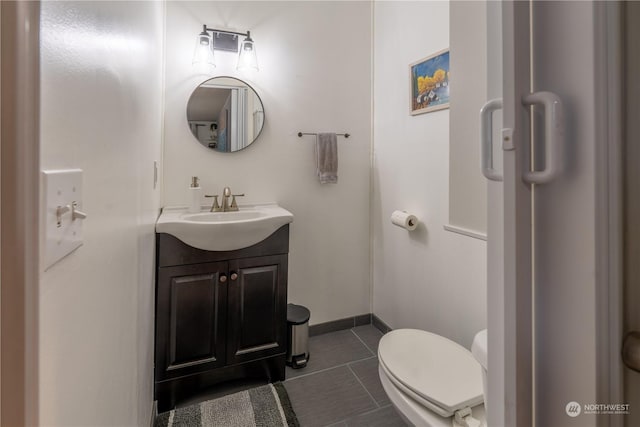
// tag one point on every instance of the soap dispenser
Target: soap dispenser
(194, 195)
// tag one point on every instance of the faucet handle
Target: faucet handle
(234, 206)
(215, 207)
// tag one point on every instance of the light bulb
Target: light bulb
(203, 58)
(247, 58)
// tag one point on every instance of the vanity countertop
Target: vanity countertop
(223, 231)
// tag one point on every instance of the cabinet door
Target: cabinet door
(190, 319)
(257, 308)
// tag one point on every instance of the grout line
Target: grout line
(363, 343)
(328, 369)
(365, 389)
(343, 422)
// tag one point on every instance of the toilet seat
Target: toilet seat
(433, 370)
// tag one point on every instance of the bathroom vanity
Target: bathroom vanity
(220, 314)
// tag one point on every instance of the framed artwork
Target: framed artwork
(430, 83)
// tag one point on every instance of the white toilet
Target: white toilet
(433, 381)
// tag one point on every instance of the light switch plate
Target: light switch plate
(63, 234)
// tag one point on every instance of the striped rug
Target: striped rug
(264, 406)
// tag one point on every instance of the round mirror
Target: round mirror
(225, 114)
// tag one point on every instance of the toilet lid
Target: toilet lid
(433, 367)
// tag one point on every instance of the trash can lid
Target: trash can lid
(297, 314)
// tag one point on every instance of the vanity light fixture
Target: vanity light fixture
(211, 39)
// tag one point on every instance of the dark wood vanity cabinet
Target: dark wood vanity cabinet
(191, 319)
(220, 316)
(257, 309)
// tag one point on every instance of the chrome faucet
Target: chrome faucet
(226, 193)
(226, 206)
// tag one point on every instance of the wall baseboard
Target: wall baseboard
(340, 324)
(380, 325)
(348, 323)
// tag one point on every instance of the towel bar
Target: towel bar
(300, 134)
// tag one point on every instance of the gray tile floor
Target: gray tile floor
(340, 384)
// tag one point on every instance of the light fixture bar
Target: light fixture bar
(213, 30)
(211, 39)
(224, 39)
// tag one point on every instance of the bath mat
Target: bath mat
(264, 406)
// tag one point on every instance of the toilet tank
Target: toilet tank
(479, 351)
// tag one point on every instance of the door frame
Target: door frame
(19, 207)
(609, 169)
(630, 275)
(510, 319)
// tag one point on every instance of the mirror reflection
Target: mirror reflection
(225, 114)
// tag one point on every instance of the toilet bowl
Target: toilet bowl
(431, 380)
(479, 351)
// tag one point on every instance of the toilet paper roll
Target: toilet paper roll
(404, 220)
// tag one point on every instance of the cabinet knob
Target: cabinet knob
(223, 278)
(234, 276)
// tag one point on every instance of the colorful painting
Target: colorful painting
(430, 83)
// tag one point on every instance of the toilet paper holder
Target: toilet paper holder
(404, 220)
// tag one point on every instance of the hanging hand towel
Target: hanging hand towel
(327, 158)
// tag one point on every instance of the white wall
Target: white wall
(101, 112)
(431, 278)
(315, 75)
(467, 187)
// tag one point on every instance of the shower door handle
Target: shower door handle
(553, 137)
(486, 139)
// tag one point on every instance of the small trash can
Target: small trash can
(298, 330)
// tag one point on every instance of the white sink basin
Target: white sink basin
(223, 231)
(217, 217)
